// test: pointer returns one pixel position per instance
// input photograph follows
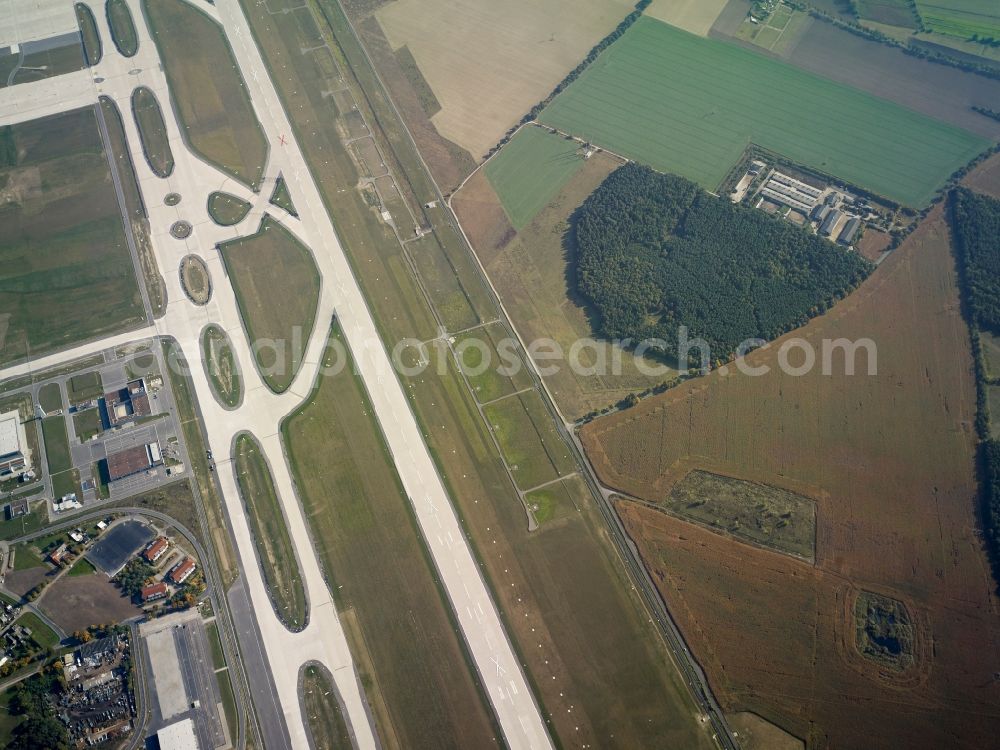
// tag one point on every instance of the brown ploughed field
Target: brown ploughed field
(890, 460)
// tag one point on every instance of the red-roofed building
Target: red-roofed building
(154, 592)
(155, 549)
(182, 571)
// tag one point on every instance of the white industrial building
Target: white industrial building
(15, 457)
(178, 736)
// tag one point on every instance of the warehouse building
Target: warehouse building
(830, 222)
(126, 405)
(849, 231)
(13, 453)
(133, 461)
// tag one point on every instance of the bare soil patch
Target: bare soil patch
(483, 218)
(196, 280)
(891, 460)
(488, 63)
(873, 243)
(76, 602)
(986, 177)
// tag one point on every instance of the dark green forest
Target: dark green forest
(976, 220)
(655, 252)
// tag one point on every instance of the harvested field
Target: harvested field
(534, 273)
(938, 91)
(67, 274)
(531, 170)
(278, 310)
(215, 111)
(660, 95)
(375, 563)
(152, 132)
(756, 733)
(890, 459)
(889, 12)
(985, 178)
(873, 243)
(696, 16)
(77, 602)
(488, 63)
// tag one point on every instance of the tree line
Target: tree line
(655, 252)
(975, 220)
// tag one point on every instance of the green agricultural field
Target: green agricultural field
(66, 274)
(965, 19)
(530, 170)
(270, 532)
(152, 132)
(375, 562)
(218, 119)
(226, 209)
(278, 309)
(691, 106)
(528, 440)
(122, 27)
(220, 365)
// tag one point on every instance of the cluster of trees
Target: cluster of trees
(991, 113)
(134, 576)
(33, 699)
(976, 220)
(990, 471)
(602, 45)
(655, 252)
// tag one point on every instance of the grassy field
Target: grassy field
(156, 288)
(220, 364)
(82, 567)
(152, 132)
(219, 122)
(282, 197)
(87, 424)
(41, 633)
(491, 383)
(484, 86)
(67, 275)
(533, 271)
(84, 387)
(276, 308)
(557, 500)
(42, 64)
(15, 527)
(765, 515)
(375, 563)
(896, 499)
(56, 444)
(267, 522)
(92, 49)
(226, 209)
(530, 170)
(187, 407)
(961, 18)
(122, 27)
(50, 397)
(195, 279)
(889, 12)
(325, 721)
(528, 440)
(602, 673)
(691, 106)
